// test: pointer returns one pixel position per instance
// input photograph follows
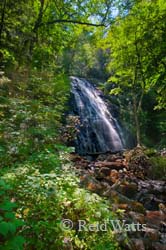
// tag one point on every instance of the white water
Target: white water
(100, 131)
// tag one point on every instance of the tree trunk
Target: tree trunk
(2, 20)
(137, 123)
(37, 24)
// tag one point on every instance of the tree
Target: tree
(29, 26)
(137, 61)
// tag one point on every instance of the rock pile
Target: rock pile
(122, 178)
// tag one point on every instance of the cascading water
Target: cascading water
(99, 130)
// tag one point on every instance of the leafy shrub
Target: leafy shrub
(9, 224)
(158, 169)
(31, 116)
(45, 199)
(70, 130)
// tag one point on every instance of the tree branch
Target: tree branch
(108, 7)
(73, 21)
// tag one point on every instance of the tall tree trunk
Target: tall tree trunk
(138, 103)
(137, 107)
(2, 19)
(36, 27)
(137, 122)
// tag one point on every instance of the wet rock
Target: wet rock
(122, 206)
(163, 228)
(152, 186)
(111, 165)
(143, 201)
(101, 157)
(137, 207)
(154, 218)
(150, 201)
(137, 217)
(151, 193)
(110, 157)
(104, 171)
(138, 162)
(162, 239)
(90, 157)
(114, 176)
(129, 189)
(158, 246)
(75, 157)
(94, 187)
(138, 244)
(162, 152)
(162, 208)
(113, 157)
(116, 196)
(152, 234)
(90, 183)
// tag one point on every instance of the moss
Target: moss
(150, 152)
(158, 168)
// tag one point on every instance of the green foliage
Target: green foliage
(36, 166)
(45, 199)
(153, 123)
(137, 59)
(10, 238)
(158, 169)
(70, 130)
(31, 118)
(38, 31)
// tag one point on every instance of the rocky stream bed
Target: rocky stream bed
(124, 179)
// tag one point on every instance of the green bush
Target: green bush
(30, 117)
(158, 169)
(45, 199)
(10, 238)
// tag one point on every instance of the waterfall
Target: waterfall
(99, 130)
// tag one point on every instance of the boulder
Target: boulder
(158, 246)
(90, 183)
(137, 244)
(138, 162)
(154, 218)
(137, 217)
(111, 165)
(152, 234)
(104, 171)
(114, 176)
(128, 189)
